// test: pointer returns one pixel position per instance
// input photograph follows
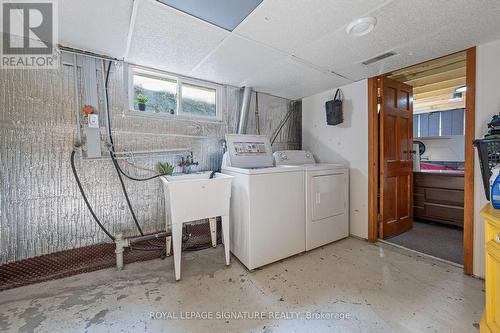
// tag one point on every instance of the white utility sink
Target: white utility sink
(189, 176)
(191, 197)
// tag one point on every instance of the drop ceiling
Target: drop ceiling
(288, 48)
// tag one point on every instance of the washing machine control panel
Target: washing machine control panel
(293, 157)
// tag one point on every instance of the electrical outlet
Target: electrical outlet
(93, 121)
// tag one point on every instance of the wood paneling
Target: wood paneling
(373, 160)
(470, 122)
(434, 83)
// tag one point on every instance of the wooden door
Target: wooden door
(396, 166)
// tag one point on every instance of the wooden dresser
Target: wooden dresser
(439, 197)
(490, 322)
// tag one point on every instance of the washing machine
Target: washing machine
(326, 197)
(267, 213)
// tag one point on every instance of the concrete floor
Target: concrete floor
(355, 286)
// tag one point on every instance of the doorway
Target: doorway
(417, 199)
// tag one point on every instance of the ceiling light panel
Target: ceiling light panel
(226, 14)
(361, 26)
(167, 39)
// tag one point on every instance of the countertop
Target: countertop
(456, 173)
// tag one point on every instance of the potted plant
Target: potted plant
(141, 101)
(165, 168)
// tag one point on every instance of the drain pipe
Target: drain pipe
(245, 107)
(78, 140)
(121, 243)
(257, 117)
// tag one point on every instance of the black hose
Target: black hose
(120, 172)
(115, 163)
(85, 197)
(134, 178)
(113, 157)
(129, 204)
(107, 107)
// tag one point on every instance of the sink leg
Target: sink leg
(177, 242)
(213, 230)
(225, 234)
(168, 245)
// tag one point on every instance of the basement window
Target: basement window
(153, 92)
(198, 100)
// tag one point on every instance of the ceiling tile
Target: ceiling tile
(441, 40)
(289, 24)
(399, 24)
(168, 39)
(95, 25)
(294, 80)
(235, 60)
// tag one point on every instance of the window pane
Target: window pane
(160, 92)
(198, 100)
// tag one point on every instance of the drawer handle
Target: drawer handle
(497, 238)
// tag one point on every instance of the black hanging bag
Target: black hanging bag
(334, 115)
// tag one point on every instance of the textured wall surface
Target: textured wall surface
(41, 210)
(345, 143)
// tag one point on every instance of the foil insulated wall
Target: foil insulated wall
(272, 110)
(41, 209)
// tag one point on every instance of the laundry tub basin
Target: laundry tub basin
(194, 196)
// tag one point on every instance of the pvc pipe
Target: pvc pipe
(146, 237)
(78, 142)
(121, 243)
(119, 251)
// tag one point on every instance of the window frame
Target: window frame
(180, 80)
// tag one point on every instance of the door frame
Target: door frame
(469, 136)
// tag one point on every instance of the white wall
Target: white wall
(487, 104)
(346, 143)
(449, 149)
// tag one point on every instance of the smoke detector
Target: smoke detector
(361, 26)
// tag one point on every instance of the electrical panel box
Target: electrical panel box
(92, 136)
(93, 142)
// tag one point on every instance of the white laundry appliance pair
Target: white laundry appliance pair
(284, 209)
